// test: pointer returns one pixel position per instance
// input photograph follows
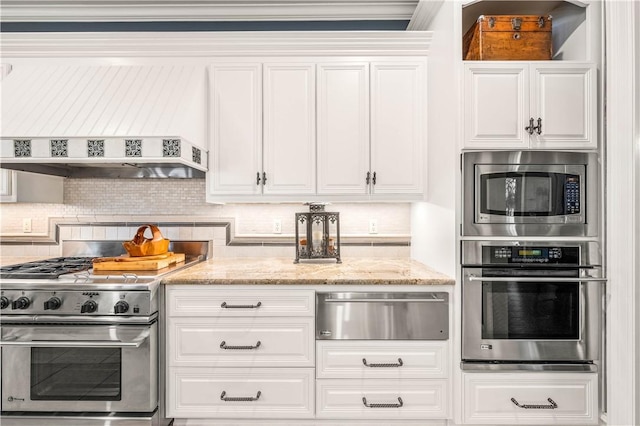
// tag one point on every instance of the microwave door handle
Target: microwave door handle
(535, 279)
(72, 344)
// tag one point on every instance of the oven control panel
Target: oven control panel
(43, 302)
(523, 255)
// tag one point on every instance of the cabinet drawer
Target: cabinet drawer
(491, 398)
(345, 399)
(240, 392)
(241, 342)
(203, 301)
(384, 359)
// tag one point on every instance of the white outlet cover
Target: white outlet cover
(373, 226)
(277, 226)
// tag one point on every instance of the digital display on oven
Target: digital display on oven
(530, 255)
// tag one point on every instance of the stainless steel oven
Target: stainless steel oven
(531, 302)
(530, 193)
(79, 368)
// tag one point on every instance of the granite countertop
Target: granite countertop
(365, 271)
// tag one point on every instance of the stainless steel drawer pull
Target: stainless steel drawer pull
(223, 345)
(224, 305)
(536, 279)
(398, 405)
(239, 398)
(552, 405)
(392, 364)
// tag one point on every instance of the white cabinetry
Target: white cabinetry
(23, 187)
(289, 129)
(530, 398)
(362, 138)
(521, 105)
(240, 354)
(236, 148)
(343, 128)
(382, 379)
(398, 117)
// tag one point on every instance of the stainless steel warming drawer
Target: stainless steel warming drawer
(382, 316)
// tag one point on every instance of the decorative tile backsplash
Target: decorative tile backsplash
(180, 204)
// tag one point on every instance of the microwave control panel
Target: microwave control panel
(572, 195)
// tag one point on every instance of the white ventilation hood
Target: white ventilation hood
(105, 120)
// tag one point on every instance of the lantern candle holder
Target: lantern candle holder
(317, 234)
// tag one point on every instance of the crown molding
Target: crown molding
(424, 14)
(200, 44)
(205, 10)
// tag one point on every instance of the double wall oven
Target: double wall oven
(532, 280)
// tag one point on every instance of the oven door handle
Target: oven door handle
(74, 344)
(535, 279)
(435, 299)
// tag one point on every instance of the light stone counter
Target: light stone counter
(13, 260)
(264, 271)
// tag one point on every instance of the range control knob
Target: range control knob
(53, 303)
(4, 302)
(89, 306)
(121, 307)
(21, 303)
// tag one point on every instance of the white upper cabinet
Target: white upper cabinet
(23, 187)
(235, 162)
(311, 129)
(397, 127)
(537, 105)
(343, 128)
(563, 97)
(289, 129)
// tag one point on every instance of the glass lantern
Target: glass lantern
(317, 234)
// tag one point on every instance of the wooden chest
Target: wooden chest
(508, 37)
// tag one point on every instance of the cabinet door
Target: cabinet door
(564, 97)
(496, 105)
(343, 128)
(398, 118)
(289, 128)
(236, 129)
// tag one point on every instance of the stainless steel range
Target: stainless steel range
(81, 348)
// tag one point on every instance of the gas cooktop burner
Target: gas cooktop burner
(48, 268)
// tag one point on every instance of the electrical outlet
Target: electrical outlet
(277, 226)
(26, 224)
(373, 226)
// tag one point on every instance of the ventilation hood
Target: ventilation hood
(105, 120)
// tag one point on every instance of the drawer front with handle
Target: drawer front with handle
(241, 342)
(531, 398)
(240, 393)
(376, 359)
(381, 399)
(204, 301)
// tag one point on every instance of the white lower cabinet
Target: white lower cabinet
(376, 379)
(381, 399)
(530, 398)
(241, 393)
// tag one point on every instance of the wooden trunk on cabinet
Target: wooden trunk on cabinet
(501, 37)
(519, 105)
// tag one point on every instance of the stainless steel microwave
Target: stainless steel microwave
(530, 193)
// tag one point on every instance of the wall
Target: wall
(434, 222)
(183, 200)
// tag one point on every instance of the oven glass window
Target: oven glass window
(544, 311)
(76, 374)
(518, 194)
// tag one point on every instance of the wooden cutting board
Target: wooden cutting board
(142, 263)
